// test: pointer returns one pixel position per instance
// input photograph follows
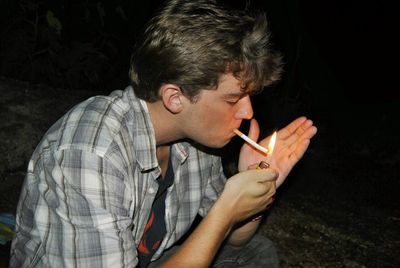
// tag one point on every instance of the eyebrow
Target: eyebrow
(239, 94)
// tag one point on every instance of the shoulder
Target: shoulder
(94, 124)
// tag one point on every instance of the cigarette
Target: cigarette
(251, 142)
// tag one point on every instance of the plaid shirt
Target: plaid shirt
(91, 183)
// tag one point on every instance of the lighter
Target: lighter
(263, 165)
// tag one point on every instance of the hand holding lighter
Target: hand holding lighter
(261, 165)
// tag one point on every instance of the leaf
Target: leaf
(53, 22)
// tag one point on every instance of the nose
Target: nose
(245, 110)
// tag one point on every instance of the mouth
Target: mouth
(232, 134)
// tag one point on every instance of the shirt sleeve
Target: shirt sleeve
(82, 216)
(215, 186)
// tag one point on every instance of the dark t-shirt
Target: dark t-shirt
(155, 228)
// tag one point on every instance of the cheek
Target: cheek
(224, 121)
(219, 116)
(224, 110)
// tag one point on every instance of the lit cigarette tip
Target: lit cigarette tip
(250, 141)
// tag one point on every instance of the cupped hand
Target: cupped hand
(291, 143)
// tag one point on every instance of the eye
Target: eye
(233, 101)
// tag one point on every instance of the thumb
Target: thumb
(260, 182)
(254, 130)
(269, 175)
(261, 175)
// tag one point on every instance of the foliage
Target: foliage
(7, 224)
(70, 45)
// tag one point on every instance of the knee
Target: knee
(264, 251)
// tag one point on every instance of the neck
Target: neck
(165, 124)
(163, 158)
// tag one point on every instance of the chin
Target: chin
(213, 145)
(214, 142)
(220, 144)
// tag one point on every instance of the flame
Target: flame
(271, 143)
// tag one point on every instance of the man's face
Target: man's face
(216, 113)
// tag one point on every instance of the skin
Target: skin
(210, 120)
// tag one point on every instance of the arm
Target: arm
(92, 221)
(244, 195)
(244, 231)
(241, 235)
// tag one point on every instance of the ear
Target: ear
(172, 97)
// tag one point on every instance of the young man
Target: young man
(120, 178)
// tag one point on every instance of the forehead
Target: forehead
(229, 84)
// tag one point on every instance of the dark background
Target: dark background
(339, 55)
(87, 44)
(340, 70)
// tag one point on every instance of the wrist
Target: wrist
(260, 215)
(222, 215)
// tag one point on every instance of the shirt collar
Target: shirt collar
(144, 137)
(143, 133)
(181, 151)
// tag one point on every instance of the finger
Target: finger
(254, 130)
(265, 190)
(270, 191)
(252, 166)
(291, 128)
(260, 175)
(308, 132)
(304, 133)
(304, 128)
(267, 175)
(258, 182)
(270, 186)
(298, 151)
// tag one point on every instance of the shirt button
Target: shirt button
(152, 190)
